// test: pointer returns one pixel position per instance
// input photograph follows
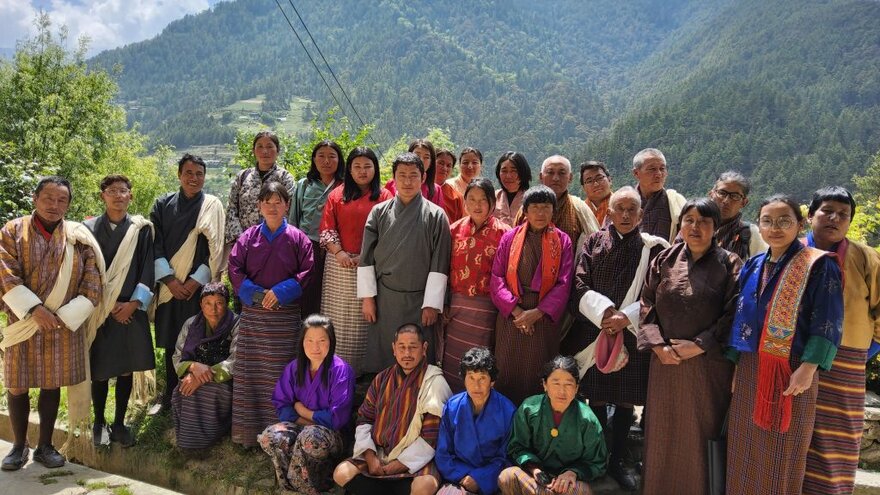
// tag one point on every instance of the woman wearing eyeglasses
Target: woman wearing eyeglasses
(688, 303)
(787, 325)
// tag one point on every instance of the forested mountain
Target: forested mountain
(784, 90)
(788, 92)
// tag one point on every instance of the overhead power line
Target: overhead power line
(315, 65)
(329, 69)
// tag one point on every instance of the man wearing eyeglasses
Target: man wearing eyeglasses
(596, 182)
(123, 343)
(731, 193)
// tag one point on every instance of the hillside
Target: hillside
(499, 75)
(789, 96)
(786, 91)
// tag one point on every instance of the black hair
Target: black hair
(564, 363)
(411, 328)
(215, 289)
(705, 208)
(54, 179)
(478, 359)
(273, 188)
(522, 168)
(429, 168)
(471, 149)
(302, 361)
(350, 188)
(191, 158)
(269, 134)
(736, 177)
(832, 193)
(788, 200)
(484, 184)
(408, 158)
(446, 151)
(108, 180)
(538, 194)
(314, 174)
(591, 164)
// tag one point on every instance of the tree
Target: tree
(866, 223)
(59, 118)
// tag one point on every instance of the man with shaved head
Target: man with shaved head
(572, 215)
(660, 206)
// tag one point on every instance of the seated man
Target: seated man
(397, 424)
(472, 446)
(203, 359)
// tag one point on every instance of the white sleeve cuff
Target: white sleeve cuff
(363, 440)
(20, 300)
(143, 295)
(202, 275)
(417, 455)
(74, 313)
(162, 268)
(435, 291)
(593, 306)
(366, 282)
(632, 312)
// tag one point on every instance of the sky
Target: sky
(109, 23)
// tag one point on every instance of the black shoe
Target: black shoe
(624, 476)
(16, 458)
(49, 457)
(100, 436)
(121, 433)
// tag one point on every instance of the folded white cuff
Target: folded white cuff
(363, 440)
(366, 282)
(435, 291)
(20, 300)
(632, 312)
(74, 313)
(593, 305)
(417, 455)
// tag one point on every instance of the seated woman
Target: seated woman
(203, 359)
(556, 443)
(472, 445)
(313, 398)
(530, 284)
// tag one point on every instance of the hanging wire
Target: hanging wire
(321, 74)
(330, 69)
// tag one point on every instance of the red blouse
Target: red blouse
(473, 254)
(344, 222)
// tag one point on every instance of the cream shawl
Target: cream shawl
(210, 223)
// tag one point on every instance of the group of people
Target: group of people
(522, 301)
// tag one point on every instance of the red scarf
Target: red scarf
(774, 349)
(551, 256)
